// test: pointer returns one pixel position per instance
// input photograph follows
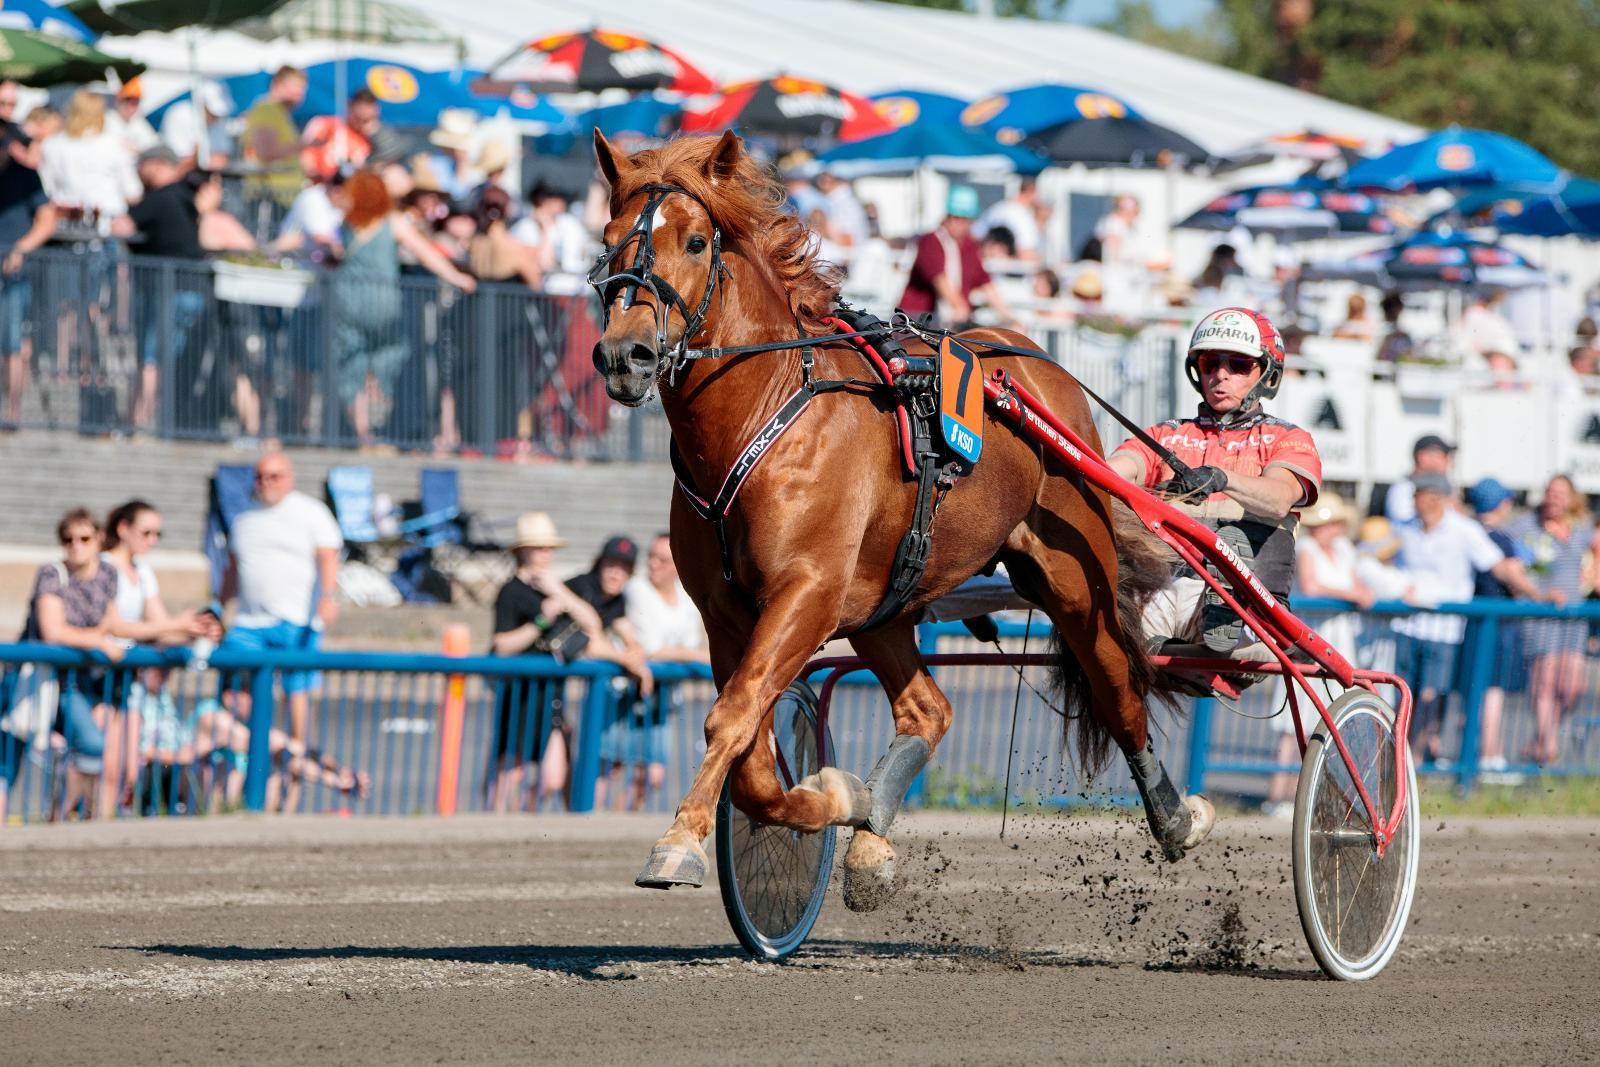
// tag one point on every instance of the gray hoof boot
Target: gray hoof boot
(671, 865)
(869, 866)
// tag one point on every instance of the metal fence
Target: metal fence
(397, 734)
(112, 343)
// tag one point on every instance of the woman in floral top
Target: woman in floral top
(1562, 538)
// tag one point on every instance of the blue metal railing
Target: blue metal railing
(383, 713)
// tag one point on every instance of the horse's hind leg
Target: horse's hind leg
(921, 717)
(1069, 577)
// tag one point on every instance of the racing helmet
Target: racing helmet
(1244, 332)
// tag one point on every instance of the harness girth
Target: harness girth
(911, 555)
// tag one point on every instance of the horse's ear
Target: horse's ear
(723, 162)
(612, 163)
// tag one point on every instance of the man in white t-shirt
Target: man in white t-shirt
(566, 251)
(285, 570)
(1440, 551)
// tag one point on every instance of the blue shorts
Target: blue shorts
(283, 635)
(16, 302)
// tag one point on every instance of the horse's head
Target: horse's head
(660, 268)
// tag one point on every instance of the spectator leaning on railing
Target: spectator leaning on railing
(27, 221)
(534, 614)
(668, 628)
(74, 604)
(1492, 503)
(1441, 549)
(284, 566)
(1562, 538)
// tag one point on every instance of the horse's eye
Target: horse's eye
(697, 244)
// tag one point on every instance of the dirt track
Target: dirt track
(499, 940)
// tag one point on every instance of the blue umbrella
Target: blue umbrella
(407, 95)
(643, 115)
(1574, 211)
(1448, 260)
(1455, 158)
(906, 107)
(1305, 210)
(950, 149)
(44, 17)
(1013, 115)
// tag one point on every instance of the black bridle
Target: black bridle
(640, 274)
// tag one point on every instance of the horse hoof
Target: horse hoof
(849, 799)
(1202, 817)
(868, 871)
(671, 865)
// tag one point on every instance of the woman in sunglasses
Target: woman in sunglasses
(133, 529)
(74, 603)
(1250, 472)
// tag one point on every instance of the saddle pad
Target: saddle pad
(961, 400)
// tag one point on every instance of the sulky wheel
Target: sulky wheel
(773, 879)
(1353, 905)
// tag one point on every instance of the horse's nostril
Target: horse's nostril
(642, 355)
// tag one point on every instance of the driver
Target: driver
(1251, 472)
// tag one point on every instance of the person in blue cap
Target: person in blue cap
(948, 272)
(1493, 505)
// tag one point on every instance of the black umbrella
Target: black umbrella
(1115, 142)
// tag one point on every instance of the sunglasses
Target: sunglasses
(154, 535)
(1211, 362)
(78, 539)
(271, 476)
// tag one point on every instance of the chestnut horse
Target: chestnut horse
(812, 537)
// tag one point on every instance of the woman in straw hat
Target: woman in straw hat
(534, 613)
(1325, 566)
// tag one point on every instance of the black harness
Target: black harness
(640, 274)
(915, 387)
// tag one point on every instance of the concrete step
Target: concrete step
(47, 473)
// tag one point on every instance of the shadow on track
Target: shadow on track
(610, 963)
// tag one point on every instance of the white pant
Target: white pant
(1173, 613)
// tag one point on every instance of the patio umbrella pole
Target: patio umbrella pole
(202, 157)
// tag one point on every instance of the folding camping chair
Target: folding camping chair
(462, 546)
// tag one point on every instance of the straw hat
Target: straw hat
(535, 529)
(1330, 507)
(456, 130)
(1087, 285)
(1378, 538)
(493, 157)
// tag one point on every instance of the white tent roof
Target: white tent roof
(870, 47)
(856, 44)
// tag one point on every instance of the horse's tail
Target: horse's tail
(1144, 568)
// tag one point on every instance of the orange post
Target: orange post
(452, 717)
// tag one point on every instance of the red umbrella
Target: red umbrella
(599, 59)
(789, 106)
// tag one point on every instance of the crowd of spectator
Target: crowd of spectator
(607, 613)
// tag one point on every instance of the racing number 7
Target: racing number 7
(968, 360)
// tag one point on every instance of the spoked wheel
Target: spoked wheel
(1353, 905)
(773, 879)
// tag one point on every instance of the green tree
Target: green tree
(1136, 20)
(1528, 68)
(1026, 9)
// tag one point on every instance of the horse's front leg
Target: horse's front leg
(794, 622)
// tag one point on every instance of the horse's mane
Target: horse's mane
(748, 208)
